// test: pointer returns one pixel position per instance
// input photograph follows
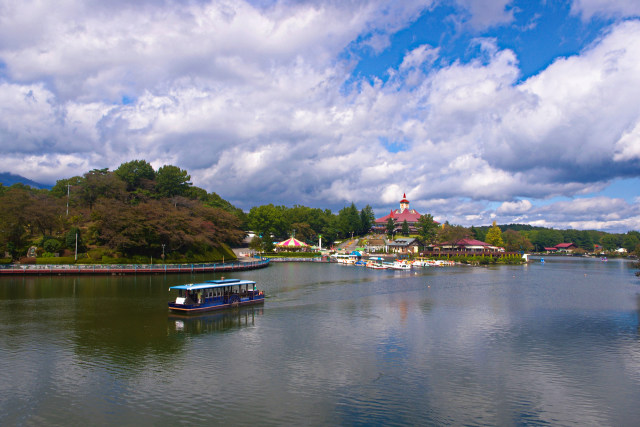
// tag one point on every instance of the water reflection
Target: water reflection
(221, 321)
(555, 343)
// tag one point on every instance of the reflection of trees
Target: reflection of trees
(122, 319)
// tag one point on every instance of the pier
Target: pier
(119, 269)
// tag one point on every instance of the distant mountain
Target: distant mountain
(8, 179)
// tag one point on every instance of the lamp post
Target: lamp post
(163, 252)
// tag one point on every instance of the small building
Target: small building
(402, 245)
(566, 247)
(551, 250)
(375, 245)
(466, 245)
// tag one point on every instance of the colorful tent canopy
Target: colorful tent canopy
(291, 243)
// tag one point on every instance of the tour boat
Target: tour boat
(215, 295)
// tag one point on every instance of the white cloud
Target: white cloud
(517, 207)
(605, 8)
(262, 103)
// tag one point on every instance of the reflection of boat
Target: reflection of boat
(433, 263)
(219, 321)
(215, 295)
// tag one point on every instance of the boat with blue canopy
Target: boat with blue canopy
(215, 295)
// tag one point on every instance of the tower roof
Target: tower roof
(404, 198)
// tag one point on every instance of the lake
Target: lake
(554, 343)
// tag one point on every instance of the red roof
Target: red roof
(550, 249)
(411, 215)
(404, 198)
(564, 245)
(467, 242)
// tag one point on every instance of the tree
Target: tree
(494, 236)
(630, 241)
(405, 228)
(367, 218)
(391, 226)
(100, 183)
(134, 172)
(267, 220)
(303, 231)
(172, 181)
(349, 221)
(256, 244)
(427, 229)
(452, 233)
(515, 241)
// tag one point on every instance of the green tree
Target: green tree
(405, 228)
(630, 241)
(172, 181)
(303, 232)
(267, 244)
(134, 172)
(391, 226)
(267, 220)
(610, 241)
(14, 225)
(367, 218)
(427, 229)
(349, 221)
(494, 236)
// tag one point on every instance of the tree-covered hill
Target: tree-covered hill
(133, 211)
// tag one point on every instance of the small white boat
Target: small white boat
(400, 265)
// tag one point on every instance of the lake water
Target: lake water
(541, 344)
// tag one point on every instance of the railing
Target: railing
(295, 259)
(131, 268)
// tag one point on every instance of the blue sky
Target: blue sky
(513, 111)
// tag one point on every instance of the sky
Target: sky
(479, 110)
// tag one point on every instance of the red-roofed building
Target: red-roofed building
(565, 247)
(467, 245)
(399, 216)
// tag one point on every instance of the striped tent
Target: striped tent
(291, 243)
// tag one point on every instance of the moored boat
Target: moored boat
(376, 263)
(399, 265)
(215, 295)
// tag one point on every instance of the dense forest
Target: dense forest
(133, 212)
(136, 213)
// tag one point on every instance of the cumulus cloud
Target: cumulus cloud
(260, 104)
(517, 207)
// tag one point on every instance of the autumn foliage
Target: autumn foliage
(131, 211)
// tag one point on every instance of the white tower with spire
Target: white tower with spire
(404, 203)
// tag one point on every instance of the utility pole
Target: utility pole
(68, 190)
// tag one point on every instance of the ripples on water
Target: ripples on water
(552, 344)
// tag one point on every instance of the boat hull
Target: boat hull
(207, 307)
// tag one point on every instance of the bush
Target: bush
(52, 245)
